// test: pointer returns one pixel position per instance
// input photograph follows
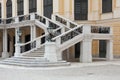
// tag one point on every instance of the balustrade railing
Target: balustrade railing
(24, 17)
(69, 34)
(36, 43)
(65, 21)
(48, 22)
(100, 29)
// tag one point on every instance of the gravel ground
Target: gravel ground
(77, 71)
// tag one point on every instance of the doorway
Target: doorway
(77, 50)
(102, 48)
(27, 39)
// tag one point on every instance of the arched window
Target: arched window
(32, 6)
(0, 10)
(81, 9)
(48, 8)
(20, 7)
(106, 6)
(9, 8)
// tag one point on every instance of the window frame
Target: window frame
(81, 11)
(20, 7)
(107, 8)
(32, 6)
(9, 8)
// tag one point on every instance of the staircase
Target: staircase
(70, 33)
(32, 62)
(36, 53)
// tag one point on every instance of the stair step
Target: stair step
(32, 62)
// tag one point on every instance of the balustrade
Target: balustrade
(71, 34)
(100, 29)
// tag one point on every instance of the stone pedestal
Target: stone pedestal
(50, 51)
(17, 50)
(86, 51)
(5, 55)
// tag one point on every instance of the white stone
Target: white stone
(50, 51)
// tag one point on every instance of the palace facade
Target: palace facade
(81, 29)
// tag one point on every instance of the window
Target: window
(9, 8)
(0, 10)
(106, 6)
(48, 8)
(32, 6)
(81, 9)
(20, 7)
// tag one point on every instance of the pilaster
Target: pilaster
(26, 7)
(109, 54)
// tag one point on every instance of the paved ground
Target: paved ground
(77, 71)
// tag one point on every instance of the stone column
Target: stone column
(26, 7)
(109, 54)
(33, 32)
(17, 43)
(86, 45)
(5, 53)
(86, 51)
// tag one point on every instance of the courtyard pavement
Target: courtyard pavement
(101, 70)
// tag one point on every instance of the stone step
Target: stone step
(56, 64)
(26, 59)
(38, 51)
(32, 62)
(34, 55)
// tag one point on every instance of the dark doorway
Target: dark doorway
(48, 8)
(81, 9)
(8, 43)
(102, 48)
(77, 50)
(43, 39)
(27, 39)
(13, 46)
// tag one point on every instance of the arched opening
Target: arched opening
(20, 7)
(32, 6)
(48, 8)
(9, 8)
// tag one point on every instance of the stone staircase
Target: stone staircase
(32, 62)
(36, 53)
